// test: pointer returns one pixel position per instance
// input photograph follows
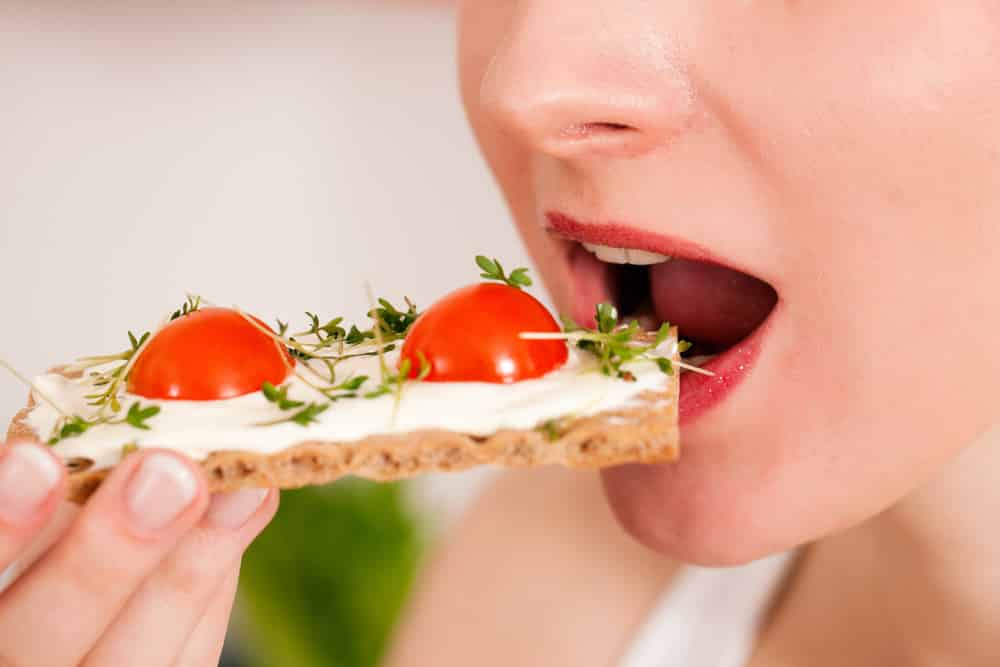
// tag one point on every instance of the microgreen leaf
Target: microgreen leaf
(279, 396)
(392, 322)
(138, 415)
(353, 384)
(333, 328)
(309, 414)
(192, 304)
(662, 335)
(606, 317)
(136, 343)
(286, 404)
(666, 365)
(381, 390)
(71, 428)
(75, 425)
(519, 278)
(493, 270)
(490, 267)
(270, 392)
(355, 336)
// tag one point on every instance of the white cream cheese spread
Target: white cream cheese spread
(198, 428)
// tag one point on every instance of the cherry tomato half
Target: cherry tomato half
(472, 335)
(210, 354)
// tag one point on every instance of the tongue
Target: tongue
(712, 305)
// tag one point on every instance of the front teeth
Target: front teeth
(644, 257)
(608, 254)
(625, 255)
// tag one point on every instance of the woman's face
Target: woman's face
(846, 153)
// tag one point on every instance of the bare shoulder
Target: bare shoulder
(537, 573)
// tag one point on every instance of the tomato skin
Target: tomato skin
(207, 355)
(472, 335)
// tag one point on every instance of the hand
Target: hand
(144, 574)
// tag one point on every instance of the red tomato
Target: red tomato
(471, 335)
(210, 354)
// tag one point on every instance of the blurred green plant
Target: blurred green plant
(325, 582)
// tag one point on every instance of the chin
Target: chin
(711, 529)
(723, 503)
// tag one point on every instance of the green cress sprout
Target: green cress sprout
(493, 270)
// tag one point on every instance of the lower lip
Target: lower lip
(700, 393)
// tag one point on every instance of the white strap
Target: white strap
(708, 617)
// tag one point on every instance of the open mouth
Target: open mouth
(720, 310)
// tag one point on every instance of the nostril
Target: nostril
(584, 130)
(612, 126)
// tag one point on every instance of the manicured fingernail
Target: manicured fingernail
(27, 477)
(231, 510)
(159, 491)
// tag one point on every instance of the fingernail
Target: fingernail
(159, 491)
(231, 510)
(27, 477)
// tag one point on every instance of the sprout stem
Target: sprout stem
(585, 335)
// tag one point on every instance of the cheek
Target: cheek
(893, 192)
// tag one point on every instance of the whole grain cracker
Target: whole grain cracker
(645, 432)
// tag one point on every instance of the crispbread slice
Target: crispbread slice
(644, 432)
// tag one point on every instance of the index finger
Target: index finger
(56, 611)
(32, 481)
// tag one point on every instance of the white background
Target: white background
(274, 155)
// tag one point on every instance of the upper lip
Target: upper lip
(621, 235)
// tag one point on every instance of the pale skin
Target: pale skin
(849, 154)
(144, 574)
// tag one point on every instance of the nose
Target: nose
(562, 82)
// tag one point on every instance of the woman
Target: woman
(842, 160)
(847, 154)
